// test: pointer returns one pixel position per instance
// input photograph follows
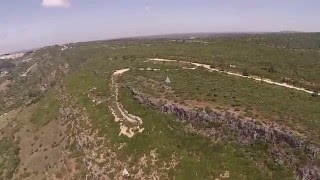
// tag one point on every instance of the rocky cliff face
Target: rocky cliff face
(244, 128)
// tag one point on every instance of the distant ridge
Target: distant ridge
(290, 32)
(200, 35)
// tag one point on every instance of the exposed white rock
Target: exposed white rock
(167, 80)
(3, 73)
(26, 60)
(129, 123)
(64, 47)
(12, 56)
(125, 172)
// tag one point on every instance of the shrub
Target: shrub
(315, 93)
(245, 73)
(208, 110)
(271, 69)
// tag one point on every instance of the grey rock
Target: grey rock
(244, 128)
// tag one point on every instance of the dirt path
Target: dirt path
(129, 123)
(25, 74)
(256, 78)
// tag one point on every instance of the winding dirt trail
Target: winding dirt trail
(129, 123)
(25, 74)
(256, 78)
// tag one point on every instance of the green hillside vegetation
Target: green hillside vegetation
(200, 158)
(257, 100)
(59, 114)
(282, 65)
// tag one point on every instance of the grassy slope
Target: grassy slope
(272, 103)
(200, 158)
(301, 67)
(214, 158)
(9, 160)
(47, 110)
(304, 41)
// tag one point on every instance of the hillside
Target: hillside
(235, 107)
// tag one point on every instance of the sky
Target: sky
(27, 24)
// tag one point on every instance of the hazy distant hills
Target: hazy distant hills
(308, 39)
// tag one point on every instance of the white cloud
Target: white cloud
(55, 3)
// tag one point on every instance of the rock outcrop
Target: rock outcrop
(244, 128)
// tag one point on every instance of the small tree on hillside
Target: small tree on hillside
(271, 69)
(315, 93)
(245, 72)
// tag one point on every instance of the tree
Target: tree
(208, 109)
(245, 73)
(6, 64)
(271, 69)
(315, 93)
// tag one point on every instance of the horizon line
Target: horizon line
(166, 34)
